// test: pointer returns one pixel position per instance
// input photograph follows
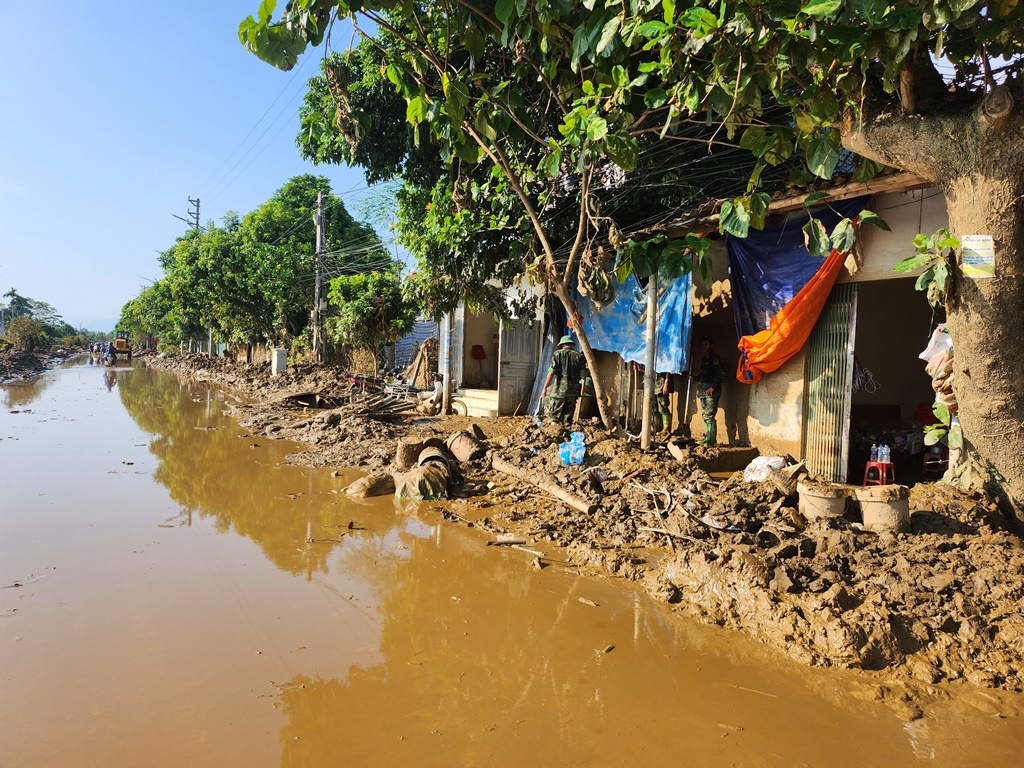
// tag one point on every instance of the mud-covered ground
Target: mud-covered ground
(943, 602)
(17, 364)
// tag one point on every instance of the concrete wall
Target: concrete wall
(775, 416)
(907, 214)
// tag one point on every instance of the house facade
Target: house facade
(874, 322)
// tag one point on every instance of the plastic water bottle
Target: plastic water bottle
(885, 454)
(874, 452)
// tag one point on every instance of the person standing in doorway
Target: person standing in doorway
(568, 374)
(709, 388)
(663, 387)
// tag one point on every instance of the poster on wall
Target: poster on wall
(977, 256)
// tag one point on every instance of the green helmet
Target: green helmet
(567, 339)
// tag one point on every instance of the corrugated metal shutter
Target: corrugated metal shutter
(829, 386)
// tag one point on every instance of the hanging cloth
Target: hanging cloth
(789, 328)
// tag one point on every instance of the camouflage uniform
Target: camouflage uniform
(569, 371)
(664, 408)
(710, 377)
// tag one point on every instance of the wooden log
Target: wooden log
(545, 482)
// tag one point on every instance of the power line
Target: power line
(288, 84)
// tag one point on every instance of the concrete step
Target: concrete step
(478, 403)
(469, 408)
(484, 397)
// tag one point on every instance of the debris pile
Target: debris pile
(18, 364)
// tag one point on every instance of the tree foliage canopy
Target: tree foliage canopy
(47, 322)
(541, 86)
(371, 310)
(252, 278)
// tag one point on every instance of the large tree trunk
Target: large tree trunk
(975, 154)
(985, 318)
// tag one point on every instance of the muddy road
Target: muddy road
(173, 593)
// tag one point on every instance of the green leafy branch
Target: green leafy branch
(671, 257)
(935, 254)
(944, 430)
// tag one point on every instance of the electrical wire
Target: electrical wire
(288, 84)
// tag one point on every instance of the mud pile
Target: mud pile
(941, 602)
(305, 403)
(17, 364)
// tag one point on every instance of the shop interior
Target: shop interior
(892, 400)
(480, 351)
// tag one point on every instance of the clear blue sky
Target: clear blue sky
(114, 114)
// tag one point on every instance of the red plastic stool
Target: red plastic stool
(885, 474)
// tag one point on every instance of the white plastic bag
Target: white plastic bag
(759, 469)
(939, 342)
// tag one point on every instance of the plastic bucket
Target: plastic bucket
(885, 507)
(821, 500)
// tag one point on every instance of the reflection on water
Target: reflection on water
(18, 394)
(205, 471)
(259, 628)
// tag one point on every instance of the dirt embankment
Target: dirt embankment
(18, 364)
(941, 602)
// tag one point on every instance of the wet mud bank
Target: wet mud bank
(923, 612)
(18, 364)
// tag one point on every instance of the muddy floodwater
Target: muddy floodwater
(172, 595)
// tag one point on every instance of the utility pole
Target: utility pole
(651, 341)
(321, 235)
(193, 220)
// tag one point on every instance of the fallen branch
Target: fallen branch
(545, 482)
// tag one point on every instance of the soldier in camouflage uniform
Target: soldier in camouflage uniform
(663, 386)
(568, 375)
(709, 388)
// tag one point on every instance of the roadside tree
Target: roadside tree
(369, 311)
(18, 306)
(25, 332)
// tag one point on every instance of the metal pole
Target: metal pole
(651, 339)
(318, 218)
(446, 392)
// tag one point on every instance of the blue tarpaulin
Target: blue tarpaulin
(769, 267)
(621, 325)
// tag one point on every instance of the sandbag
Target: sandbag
(422, 483)
(372, 485)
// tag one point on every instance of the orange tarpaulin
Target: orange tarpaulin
(789, 330)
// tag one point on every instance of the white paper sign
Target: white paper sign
(977, 256)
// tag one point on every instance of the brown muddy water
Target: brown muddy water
(171, 595)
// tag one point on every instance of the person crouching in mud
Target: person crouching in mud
(568, 373)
